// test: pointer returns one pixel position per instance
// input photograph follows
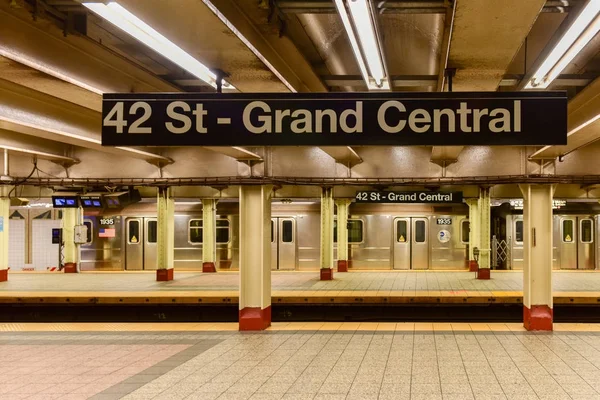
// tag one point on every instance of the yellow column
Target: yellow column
(165, 246)
(537, 260)
(327, 209)
(473, 231)
(4, 215)
(255, 258)
(70, 218)
(209, 235)
(484, 229)
(342, 233)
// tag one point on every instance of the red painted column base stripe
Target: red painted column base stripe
(209, 267)
(538, 318)
(3, 275)
(70, 268)
(473, 266)
(164, 274)
(326, 274)
(342, 266)
(255, 318)
(483, 273)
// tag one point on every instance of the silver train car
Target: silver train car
(574, 238)
(380, 237)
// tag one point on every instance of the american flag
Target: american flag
(106, 233)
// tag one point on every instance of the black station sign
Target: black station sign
(409, 197)
(334, 119)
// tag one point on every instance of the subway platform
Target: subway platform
(293, 361)
(295, 296)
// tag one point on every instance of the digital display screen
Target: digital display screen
(91, 201)
(65, 202)
(112, 202)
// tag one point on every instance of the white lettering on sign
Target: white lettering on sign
(421, 121)
(301, 120)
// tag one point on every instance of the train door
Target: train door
(150, 240)
(586, 256)
(283, 243)
(402, 240)
(140, 244)
(411, 244)
(568, 242)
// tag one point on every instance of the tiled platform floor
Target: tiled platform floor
(293, 361)
(300, 283)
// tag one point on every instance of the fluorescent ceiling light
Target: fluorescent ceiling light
(253, 49)
(32, 63)
(581, 31)
(362, 29)
(129, 23)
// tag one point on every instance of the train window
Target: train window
(567, 230)
(133, 231)
(195, 231)
(152, 231)
(419, 231)
(465, 229)
(90, 235)
(222, 231)
(519, 231)
(287, 231)
(401, 231)
(586, 232)
(355, 231)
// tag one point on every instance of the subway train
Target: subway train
(381, 236)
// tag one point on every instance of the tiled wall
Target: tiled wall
(16, 244)
(44, 253)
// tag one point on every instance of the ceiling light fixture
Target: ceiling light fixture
(253, 49)
(579, 34)
(362, 29)
(129, 23)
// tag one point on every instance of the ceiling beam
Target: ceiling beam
(239, 153)
(277, 51)
(73, 58)
(343, 154)
(29, 112)
(444, 155)
(486, 37)
(46, 150)
(401, 81)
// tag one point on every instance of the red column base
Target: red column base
(209, 267)
(483, 273)
(342, 266)
(326, 274)
(164, 274)
(255, 318)
(70, 268)
(538, 318)
(473, 266)
(3, 275)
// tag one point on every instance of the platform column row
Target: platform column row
(537, 260)
(484, 229)
(209, 235)
(342, 206)
(255, 258)
(71, 217)
(165, 246)
(4, 216)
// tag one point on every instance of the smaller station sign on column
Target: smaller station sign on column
(409, 197)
